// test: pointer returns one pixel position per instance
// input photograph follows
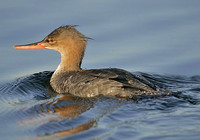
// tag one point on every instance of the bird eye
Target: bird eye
(50, 40)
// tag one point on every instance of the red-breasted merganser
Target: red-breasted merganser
(69, 78)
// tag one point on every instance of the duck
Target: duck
(70, 78)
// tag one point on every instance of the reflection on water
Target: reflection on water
(30, 109)
(51, 117)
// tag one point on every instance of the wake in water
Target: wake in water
(30, 109)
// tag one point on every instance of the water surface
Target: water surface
(31, 110)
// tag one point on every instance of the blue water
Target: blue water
(160, 39)
(31, 110)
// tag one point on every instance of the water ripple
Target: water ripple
(31, 109)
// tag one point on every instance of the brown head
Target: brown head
(69, 42)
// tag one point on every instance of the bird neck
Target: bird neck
(71, 58)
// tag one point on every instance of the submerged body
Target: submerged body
(71, 79)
